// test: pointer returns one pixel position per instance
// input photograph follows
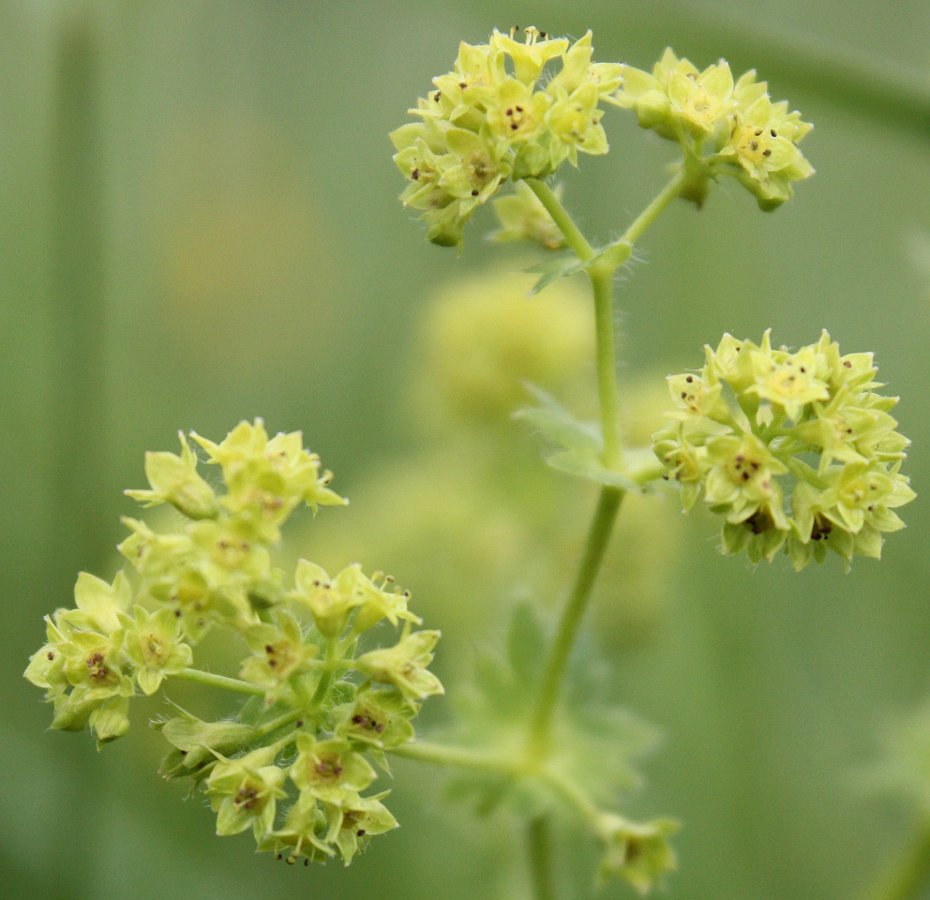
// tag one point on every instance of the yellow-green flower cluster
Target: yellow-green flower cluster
(217, 567)
(321, 707)
(724, 126)
(500, 115)
(795, 449)
(329, 814)
(97, 656)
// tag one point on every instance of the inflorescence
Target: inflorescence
(794, 449)
(498, 116)
(512, 110)
(723, 126)
(322, 714)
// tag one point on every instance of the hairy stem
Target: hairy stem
(570, 231)
(598, 535)
(620, 250)
(284, 719)
(601, 270)
(601, 273)
(220, 681)
(327, 676)
(602, 278)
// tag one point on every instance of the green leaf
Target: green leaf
(585, 466)
(579, 446)
(558, 425)
(554, 269)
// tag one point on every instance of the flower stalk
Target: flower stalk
(605, 514)
(223, 682)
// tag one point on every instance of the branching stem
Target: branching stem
(620, 250)
(601, 268)
(327, 676)
(576, 241)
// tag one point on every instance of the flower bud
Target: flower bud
(404, 665)
(174, 479)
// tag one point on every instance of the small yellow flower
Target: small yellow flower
(175, 480)
(678, 100)
(154, 645)
(763, 143)
(404, 665)
(788, 380)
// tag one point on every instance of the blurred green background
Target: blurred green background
(199, 224)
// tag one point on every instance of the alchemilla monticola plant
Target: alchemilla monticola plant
(795, 449)
(296, 765)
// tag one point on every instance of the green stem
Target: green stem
(291, 715)
(601, 269)
(510, 766)
(506, 765)
(220, 681)
(602, 280)
(598, 535)
(327, 676)
(570, 231)
(620, 250)
(601, 272)
(461, 757)
(514, 766)
(540, 847)
(910, 873)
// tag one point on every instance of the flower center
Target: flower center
(754, 144)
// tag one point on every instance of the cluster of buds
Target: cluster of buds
(723, 126)
(500, 115)
(321, 708)
(794, 449)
